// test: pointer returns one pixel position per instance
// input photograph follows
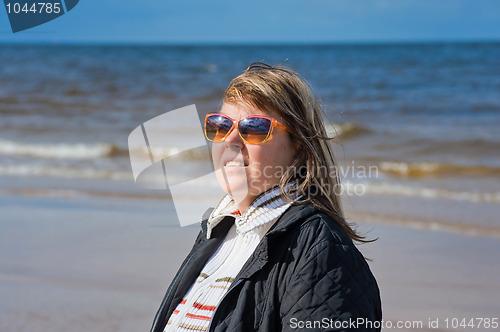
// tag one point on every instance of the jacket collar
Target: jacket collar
(295, 214)
(264, 209)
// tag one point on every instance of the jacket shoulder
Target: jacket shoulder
(328, 229)
(312, 226)
(326, 274)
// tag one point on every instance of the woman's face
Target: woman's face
(247, 170)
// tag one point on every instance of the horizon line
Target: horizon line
(254, 43)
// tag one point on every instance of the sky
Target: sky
(265, 21)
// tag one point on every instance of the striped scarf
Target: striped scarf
(197, 307)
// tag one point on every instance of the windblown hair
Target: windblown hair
(313, 173)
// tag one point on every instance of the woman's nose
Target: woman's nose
(234, 140)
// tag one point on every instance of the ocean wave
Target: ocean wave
(424, 169)
(383, 188)
(345, 130)
(58, 150)
(173, 152)
(74, 193)
(94, 150)
(94, 173)
(423, 224)
(466, 147)
(472, 148)
(64, 172)
(431, 193)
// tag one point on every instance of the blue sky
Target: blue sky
(271, 21)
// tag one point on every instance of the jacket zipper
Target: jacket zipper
(223, 297)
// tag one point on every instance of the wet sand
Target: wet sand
(91, 264)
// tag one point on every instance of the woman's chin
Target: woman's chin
(232, 184)
(237, 189)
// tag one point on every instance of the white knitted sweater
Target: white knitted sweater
(196, 309)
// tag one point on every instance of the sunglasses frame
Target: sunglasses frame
(274, 123)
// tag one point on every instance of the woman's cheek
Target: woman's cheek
(216, 155)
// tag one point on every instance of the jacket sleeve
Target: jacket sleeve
(330, 288)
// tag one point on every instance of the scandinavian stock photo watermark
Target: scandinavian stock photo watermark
(155, 145)
(366, 324)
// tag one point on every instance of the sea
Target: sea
(416, 126)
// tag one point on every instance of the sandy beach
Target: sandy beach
(90, 264)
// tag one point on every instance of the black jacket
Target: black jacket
(305, 274)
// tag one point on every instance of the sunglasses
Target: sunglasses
(254, 129)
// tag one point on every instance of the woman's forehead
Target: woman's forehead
(241, 110)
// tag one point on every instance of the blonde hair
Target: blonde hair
(281, 91)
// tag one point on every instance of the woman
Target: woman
(276, 254)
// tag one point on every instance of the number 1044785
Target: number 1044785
(34, 8)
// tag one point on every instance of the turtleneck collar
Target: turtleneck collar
(264, 209)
